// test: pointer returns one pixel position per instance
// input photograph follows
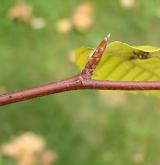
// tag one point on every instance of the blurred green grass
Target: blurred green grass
(80, 127)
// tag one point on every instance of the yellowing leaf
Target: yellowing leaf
(122, 62)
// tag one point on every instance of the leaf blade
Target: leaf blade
(122, 62)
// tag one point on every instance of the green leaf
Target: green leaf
(122, 62)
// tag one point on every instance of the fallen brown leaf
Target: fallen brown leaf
(83, 16)
(22, 12)
(24, 148)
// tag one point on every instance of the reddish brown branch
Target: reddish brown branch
(75, 84)
(43, 90)
(82, 81)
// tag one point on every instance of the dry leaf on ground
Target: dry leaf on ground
(83, 16)
(23, 13)
(81, 19)
(28, 149)
(24, 148)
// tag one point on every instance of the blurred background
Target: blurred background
(37, 43)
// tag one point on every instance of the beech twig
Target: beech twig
(81, 81)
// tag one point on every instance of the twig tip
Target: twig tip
(107, 37)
